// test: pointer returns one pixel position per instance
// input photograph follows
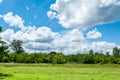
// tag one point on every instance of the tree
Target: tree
(1, 41)
(3, 48)
(16, 45)
(116, 52)
(107, 54)
(0, 28)
(59, 58)
(91, 52)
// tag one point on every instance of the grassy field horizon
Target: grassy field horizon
(15, 71)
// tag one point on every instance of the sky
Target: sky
(68, 26)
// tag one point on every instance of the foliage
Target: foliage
(60, 58)
(3, 49)
(116, 52)
(16, 45)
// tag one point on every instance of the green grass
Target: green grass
(59, 72)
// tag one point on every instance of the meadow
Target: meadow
(12, 71)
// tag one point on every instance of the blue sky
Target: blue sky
(57, 23)
(36, 15)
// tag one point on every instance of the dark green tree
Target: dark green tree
(116, 52)
(16, 45)
(91, 52)
(1, 41)
(3, 49)
(107, 54)
(0, 28)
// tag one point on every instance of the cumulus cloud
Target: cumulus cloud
(43, 39)
(8, 35)
(85, 13)
(33, 38)
(94, 34)
(103, 46)
(13, 20)
(68, 41)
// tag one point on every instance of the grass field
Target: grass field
(59, 72)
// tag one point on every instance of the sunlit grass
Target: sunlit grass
(59, 72)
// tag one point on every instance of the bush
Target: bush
(5, 59)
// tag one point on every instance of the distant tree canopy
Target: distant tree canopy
(16, 45)
(60, 58)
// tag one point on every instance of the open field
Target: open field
(59, 72)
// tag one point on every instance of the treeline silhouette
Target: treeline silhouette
(60, 58)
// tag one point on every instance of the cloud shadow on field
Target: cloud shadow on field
(2, 75)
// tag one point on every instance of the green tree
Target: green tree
(91, 52)
(1, 41)
(3, 48)
(59, 58)
(107, 54)
(116, 52)
(16, 45)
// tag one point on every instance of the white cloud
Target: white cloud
(103, 46)
(1, 1)
(51, 14)
(68, 41)
(8, 35)
(43, 39)
(85, 13)
(33, 38)
(13, 20)
(94, 34)
(36, 46)
(0, 16)
(73, 35)
(41, 35)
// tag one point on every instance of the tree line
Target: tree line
(20, 56)
(60, 58)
